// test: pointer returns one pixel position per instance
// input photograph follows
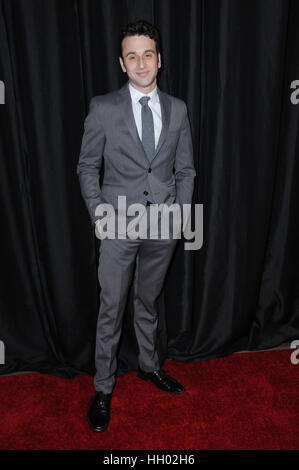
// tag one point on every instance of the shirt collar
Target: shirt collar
(136, 94)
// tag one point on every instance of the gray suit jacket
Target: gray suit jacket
(110, 133)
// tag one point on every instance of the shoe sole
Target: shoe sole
(97, 429)
(161, 388)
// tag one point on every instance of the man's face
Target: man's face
(140, 61)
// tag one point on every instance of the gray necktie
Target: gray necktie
(148, 134)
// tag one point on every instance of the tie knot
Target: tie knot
(144, 100)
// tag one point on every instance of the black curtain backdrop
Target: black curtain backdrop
(233, 63)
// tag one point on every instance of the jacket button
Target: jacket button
(145, 192)
(149, 170)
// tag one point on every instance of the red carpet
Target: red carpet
(244, 401)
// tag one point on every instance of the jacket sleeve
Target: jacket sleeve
(90, 159)
(184, 163)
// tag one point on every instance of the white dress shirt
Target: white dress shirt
(154, 104)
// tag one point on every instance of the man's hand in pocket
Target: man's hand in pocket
(98, 226)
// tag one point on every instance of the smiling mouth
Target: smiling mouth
(142, 74)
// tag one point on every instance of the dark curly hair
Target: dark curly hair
(139, 28)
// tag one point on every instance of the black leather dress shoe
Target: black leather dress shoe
(99, 411)
(161, 380)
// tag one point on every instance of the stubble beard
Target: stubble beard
(142, 84)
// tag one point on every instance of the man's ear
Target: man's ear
(159, 60)
(122, 64)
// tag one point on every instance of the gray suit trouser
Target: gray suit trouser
(115, 273)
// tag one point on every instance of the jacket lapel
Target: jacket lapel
(125, 105)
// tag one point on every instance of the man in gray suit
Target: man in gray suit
(143, 136)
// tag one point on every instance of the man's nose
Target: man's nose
(141, 65)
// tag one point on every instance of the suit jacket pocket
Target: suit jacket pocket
(172, 189)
